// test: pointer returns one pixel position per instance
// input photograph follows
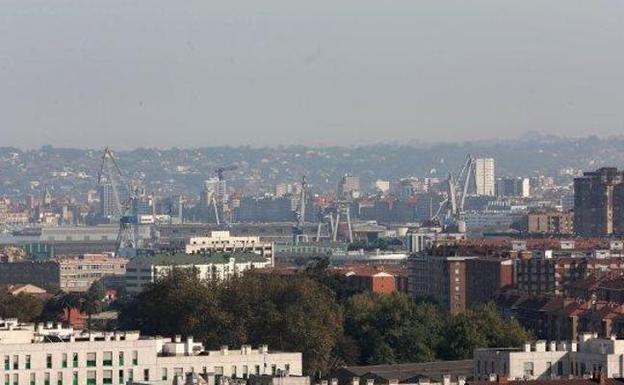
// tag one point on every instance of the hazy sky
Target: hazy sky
(130, 73)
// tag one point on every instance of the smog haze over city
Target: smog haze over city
(285, 192)
(155, 73)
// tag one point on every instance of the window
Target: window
(7, 364)
(245, 371)
(121, 376)
(549, 368)
(233, 372)
(257, 370)
(16, 379)
(75, 360)
(91, 361)
(108, 359)
(177, 372)
(528, 369)
(7, 379)
(75, 378)
(130, 375)
(107, 377)
(121, 358)
(27, 361)
(46, 378)
(273, 369)
(59, 378)
(145, 374)
(135, 358)
(163, 374)
(49, 361)
(219, 370)
(64, 360)
(15, 362)
(287, 367)
(91, 377)
(33, 380)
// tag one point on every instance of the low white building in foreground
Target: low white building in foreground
(547, 360)
(51, 355)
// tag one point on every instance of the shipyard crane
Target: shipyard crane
(216, 199)
(299, 228)
(453, 205)
(111, 174)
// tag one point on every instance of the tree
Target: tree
(67, 302)
(392, 328)
(479, 328)
(25, 307)
(299, 315)
(92, 301)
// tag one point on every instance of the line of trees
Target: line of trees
(317, 314)
(60, 307)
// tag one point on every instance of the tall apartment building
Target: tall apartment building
(141, 271)
(550, 222)
(513, 187)
(45, 355)
(222, 241)
(485, 176)
(554, 275)
(440, 278)
(599, 202)
(107, 198)
(458, 282)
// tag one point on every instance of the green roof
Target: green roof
(200, 259)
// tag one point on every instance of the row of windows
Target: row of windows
(13, 362)
(91, 378)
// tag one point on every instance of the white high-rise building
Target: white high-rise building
(484, 176)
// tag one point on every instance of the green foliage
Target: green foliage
(298, 315)
(315, 314)
(392, 328)
(24, 307)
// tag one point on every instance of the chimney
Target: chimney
(177, 338)
(446, 379)
(527, 346)
(540, 346)
(334, 381)
(224, 350)
(493, 377)
(355, 381)
(553, 346)
(461, 380)
(573, 346)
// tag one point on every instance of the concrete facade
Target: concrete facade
(546, 360)
(47, 355)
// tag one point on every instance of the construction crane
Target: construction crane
(453, 205)
(299, 228)
(217, 200)
(110, 173)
